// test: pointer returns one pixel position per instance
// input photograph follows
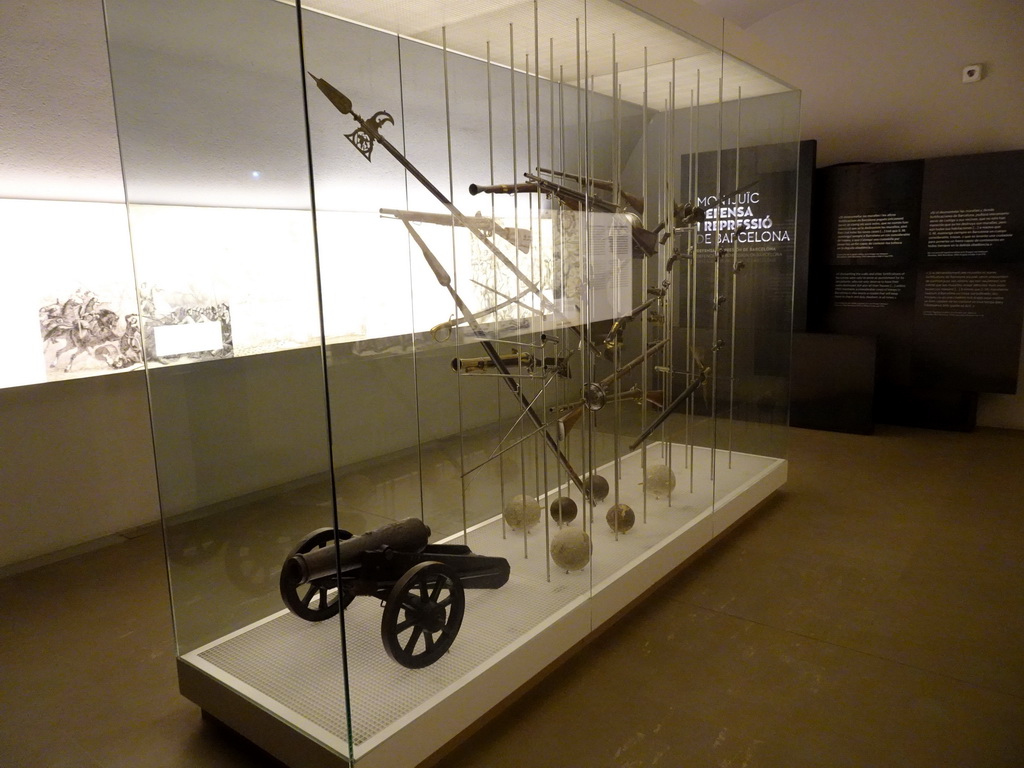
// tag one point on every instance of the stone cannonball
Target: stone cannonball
(661, 480)
(522, 512)
(563, 510)
(570, 549)
(620, 518)
(597, 488)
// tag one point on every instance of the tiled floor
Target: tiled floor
(871, 614)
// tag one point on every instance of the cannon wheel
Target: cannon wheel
(316, 600)
(423, 614)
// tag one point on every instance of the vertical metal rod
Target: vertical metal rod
(732, 300)
(561, 239)
(645, 326)
(551, 99)
(494, 268)
(561, 114)
(515, 219)
(586, 442)
(717, 289)
(538, 260)
(695, 263)
(533, 276)
(669, 192)
(616, 160)
(455, 278)
(691, 260)
(561, 390)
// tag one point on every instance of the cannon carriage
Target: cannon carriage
(422, 586)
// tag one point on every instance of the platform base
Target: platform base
(281, 682)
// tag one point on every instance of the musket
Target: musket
(449, 325)
(567, 422)
(520, 238)
(445, 280)
(478, 365)
(615, 334)
(523, 187)
(634, 202)
(645, 242)
(655, 397)
(692, 387)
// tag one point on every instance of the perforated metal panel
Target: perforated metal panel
(295, 669)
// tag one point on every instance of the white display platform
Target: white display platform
(283, 671)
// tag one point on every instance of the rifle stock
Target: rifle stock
(520, 238)
(645, 242)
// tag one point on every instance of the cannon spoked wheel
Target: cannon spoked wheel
(423, 614)
(316, 600)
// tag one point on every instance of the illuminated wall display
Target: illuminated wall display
(70, 304)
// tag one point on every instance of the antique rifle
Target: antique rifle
(645, 241)
(655, 397)
(480, 364)
(520, 238)
(682, 397)
(634, 202)
(445, 280)
(476, 365)
(615, 334)
(567, 422)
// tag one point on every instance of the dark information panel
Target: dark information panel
(928, 257)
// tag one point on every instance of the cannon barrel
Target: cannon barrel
(409, 535)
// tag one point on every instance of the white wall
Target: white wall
(881, 81)
(58, 137)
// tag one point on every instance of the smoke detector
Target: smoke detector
(973, 73)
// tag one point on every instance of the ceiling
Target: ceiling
(622, 51)
(743, 13)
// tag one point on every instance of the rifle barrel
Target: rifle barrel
(502, 189)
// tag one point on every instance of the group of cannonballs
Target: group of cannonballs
(571, 546)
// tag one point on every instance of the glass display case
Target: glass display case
(464, 325)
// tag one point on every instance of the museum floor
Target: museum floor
(871, 614)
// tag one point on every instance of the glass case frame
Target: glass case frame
(409, 287)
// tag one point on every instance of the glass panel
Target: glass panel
(754, 225)
(450, 284)
(209, 108)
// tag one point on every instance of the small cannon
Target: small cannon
(422, 585)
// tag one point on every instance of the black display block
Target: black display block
(927, 256)
(832, 383)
